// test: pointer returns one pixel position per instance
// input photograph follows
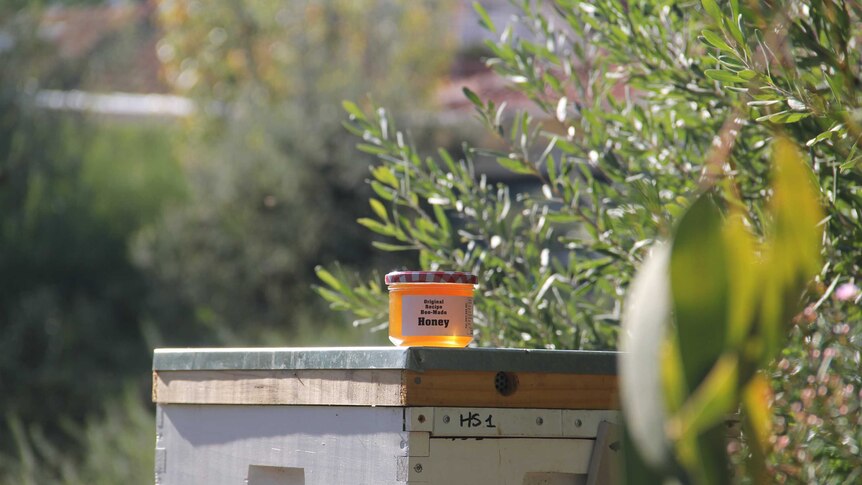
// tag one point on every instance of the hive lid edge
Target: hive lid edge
(410, 358)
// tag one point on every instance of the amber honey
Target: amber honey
(432, 309)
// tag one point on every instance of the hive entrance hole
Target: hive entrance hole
(506, 383)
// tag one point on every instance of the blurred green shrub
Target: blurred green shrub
(116, 446)
(70, 296)
(274, 182)
(72, 193)
(640, 104)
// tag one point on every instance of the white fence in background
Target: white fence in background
(120, 104)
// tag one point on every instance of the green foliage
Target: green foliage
(70, 284)
(70, 300)
(727, 324)
(639, 106)
(458, 221)
(133, 172)
(119, 445)
(119, 442)
(553, 265)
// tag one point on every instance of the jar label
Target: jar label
(435, 315)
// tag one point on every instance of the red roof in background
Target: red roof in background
(488, 85)
(468, 70)
(77, 30)
(80, 31)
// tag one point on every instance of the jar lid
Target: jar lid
(430, 277)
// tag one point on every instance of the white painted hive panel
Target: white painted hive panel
(217, 445)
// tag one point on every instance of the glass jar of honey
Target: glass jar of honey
(431, 308)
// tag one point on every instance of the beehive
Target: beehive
(377, 416)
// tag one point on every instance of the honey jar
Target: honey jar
(431, 308)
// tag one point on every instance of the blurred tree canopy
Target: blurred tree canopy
(275, 184)
(109, 246)
(305, 53)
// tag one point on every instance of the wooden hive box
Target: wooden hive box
(368, 415)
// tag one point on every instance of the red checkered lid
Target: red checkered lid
(430, 277)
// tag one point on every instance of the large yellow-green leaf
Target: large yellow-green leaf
(672, 377)
(796, 208)
(711, 402)
(743, 272)
(699, 288)
(698, 427)
(793, 243)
